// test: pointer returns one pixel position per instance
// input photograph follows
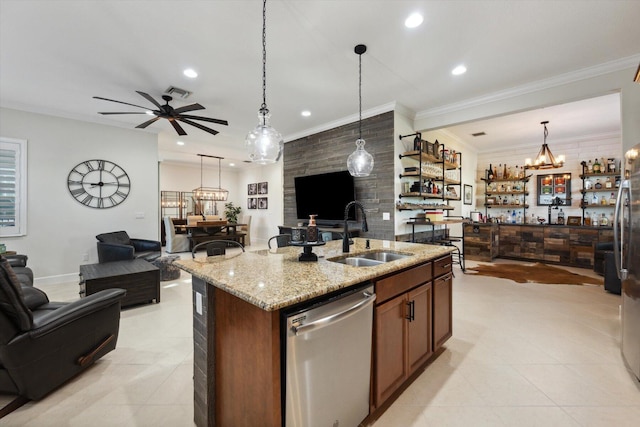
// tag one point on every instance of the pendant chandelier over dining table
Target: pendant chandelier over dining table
(210, 194)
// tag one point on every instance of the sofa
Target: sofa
(118, 246)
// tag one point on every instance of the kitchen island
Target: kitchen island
(238, 299)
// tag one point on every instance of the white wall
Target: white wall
(264, 222)
(61, 230)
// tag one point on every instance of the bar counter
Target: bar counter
(571, 245)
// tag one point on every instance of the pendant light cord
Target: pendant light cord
(360, 96)
(263, 107)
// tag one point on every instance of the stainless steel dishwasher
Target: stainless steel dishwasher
(328, 361)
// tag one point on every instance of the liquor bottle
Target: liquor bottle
(608, 183)
(490, 176)
(612, 199)
(604, 221)
(590, 167)
(598, 185)
(612, 166)
(594, 199)
(596, 166)
(588, 184)
(594, 220)
(587, 218)
(561, 217)
(513, 216)
(505, 172)
(500, 171)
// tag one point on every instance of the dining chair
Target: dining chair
(281, 240)
(174, 242)
(216, 247)
(246, 219)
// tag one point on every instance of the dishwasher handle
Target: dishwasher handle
(368, 299)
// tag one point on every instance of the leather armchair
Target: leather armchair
(19, 265)
(118, 246)
(43, 344)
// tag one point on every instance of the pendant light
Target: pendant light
(209, 194)
(264, 142)
(360, 163)
(545, 159)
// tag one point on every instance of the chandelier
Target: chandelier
(545, 159)
(206, 194)
(264, 143)
(360, 162)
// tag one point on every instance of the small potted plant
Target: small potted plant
(231, 212)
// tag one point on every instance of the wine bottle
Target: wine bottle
(596, 166)
(490, 177)
(505, 174)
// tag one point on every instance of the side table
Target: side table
(138, 277)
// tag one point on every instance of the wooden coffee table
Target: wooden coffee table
(140, 278)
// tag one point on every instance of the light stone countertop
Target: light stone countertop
(273, 279)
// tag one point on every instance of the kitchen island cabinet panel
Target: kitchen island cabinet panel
(442, 312)
(390, 369)
(556, 245)
(532, 241)
(509, 242)
(420, 346)
(480, 241)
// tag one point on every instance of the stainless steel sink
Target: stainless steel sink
(383, 256)
(357, 261)
(369, 259)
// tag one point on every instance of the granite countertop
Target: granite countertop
(274, 278)
(599, 227)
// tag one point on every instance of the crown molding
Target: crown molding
(539, 85)
(385, 108)
(559, 142)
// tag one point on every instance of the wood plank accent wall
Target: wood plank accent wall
(328, 151)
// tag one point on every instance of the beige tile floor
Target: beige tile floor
(521, 355)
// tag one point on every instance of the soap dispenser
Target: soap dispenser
(312, 229)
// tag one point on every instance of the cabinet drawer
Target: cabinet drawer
(401, 282)
(442, 266)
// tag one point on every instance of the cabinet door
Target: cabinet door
(390, 340)
(442, 316)
(420, 346)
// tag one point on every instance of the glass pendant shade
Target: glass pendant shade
(264, 143)
(360, 162)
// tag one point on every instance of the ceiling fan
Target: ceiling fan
(166, 111)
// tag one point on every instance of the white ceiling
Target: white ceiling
(56, 55)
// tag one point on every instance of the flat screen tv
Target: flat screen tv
(325, 195)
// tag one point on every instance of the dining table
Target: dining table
(201, 231)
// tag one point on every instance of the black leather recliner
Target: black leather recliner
(118, 246)
(19, 265)
(43, 344)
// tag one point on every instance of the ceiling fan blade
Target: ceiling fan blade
(120, 102)
(197, 125)
(206, 119)
(149, 98)
(177, 127)
(131, 112)
(186, 108)
(147, 123)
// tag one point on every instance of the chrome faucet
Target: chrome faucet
(345, 234)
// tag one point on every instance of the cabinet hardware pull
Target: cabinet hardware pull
(446, 266)
(413, 311)
(408, 317)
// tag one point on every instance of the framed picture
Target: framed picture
(574, 220)
(252, 189)
(263, 203)
(263, 187)
(554, 189)
(252, 203)
(468, 194)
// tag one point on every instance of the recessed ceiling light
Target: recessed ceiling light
(191, 73)
(460, 69)
(232, 164)
(413, 21)
(149, 112)
(306, 113)
(180, 142)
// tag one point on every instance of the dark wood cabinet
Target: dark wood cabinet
(409, 318)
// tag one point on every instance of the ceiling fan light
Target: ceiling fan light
(264, 143)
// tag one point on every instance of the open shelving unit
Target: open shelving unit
(586, 203)
(495, 189)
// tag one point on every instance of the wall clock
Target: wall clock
(99, 184)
